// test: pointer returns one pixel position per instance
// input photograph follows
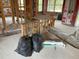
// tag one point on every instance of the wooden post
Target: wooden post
(28, 9)
(45, 3)
(13, 13)
(63, 9)
(75, 13)
(24, 29)
(17, 9)
(35, 7)
(3, 17)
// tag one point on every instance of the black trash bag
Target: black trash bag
(37, 42)
(25, 46)
(59, 16)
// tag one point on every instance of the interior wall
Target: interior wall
(65, 11)
(75, 13)
(69, 12)
(71, 5)
(77, 17)
(77, 20)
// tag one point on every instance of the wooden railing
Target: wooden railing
(37, 25)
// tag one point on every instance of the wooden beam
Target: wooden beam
(17, 9)
(75, 13)
(35, 7)
(63, 9)
(28, 9)
(13, 13)
(2, 15)
(45, 3)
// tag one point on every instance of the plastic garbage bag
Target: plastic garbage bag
(37, 42)
(25, 46)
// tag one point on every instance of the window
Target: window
(55, 5)
(21, 4)
(50, 5)
(40, 6)
(58, 5)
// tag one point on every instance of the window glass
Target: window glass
(59, 2)
(21, 4)
(40, 5)
(50, 5)
(58, 6)
(55, 5)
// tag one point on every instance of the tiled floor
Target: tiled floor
(9, 43)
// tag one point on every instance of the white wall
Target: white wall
(77, 20)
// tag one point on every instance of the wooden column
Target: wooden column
(28, 9)
(17, 9)
(35, 7)
(75, 13)
(13, 11)
(63, 9)
(45, 3)
(2, 15)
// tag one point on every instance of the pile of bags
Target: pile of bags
(27, 44)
